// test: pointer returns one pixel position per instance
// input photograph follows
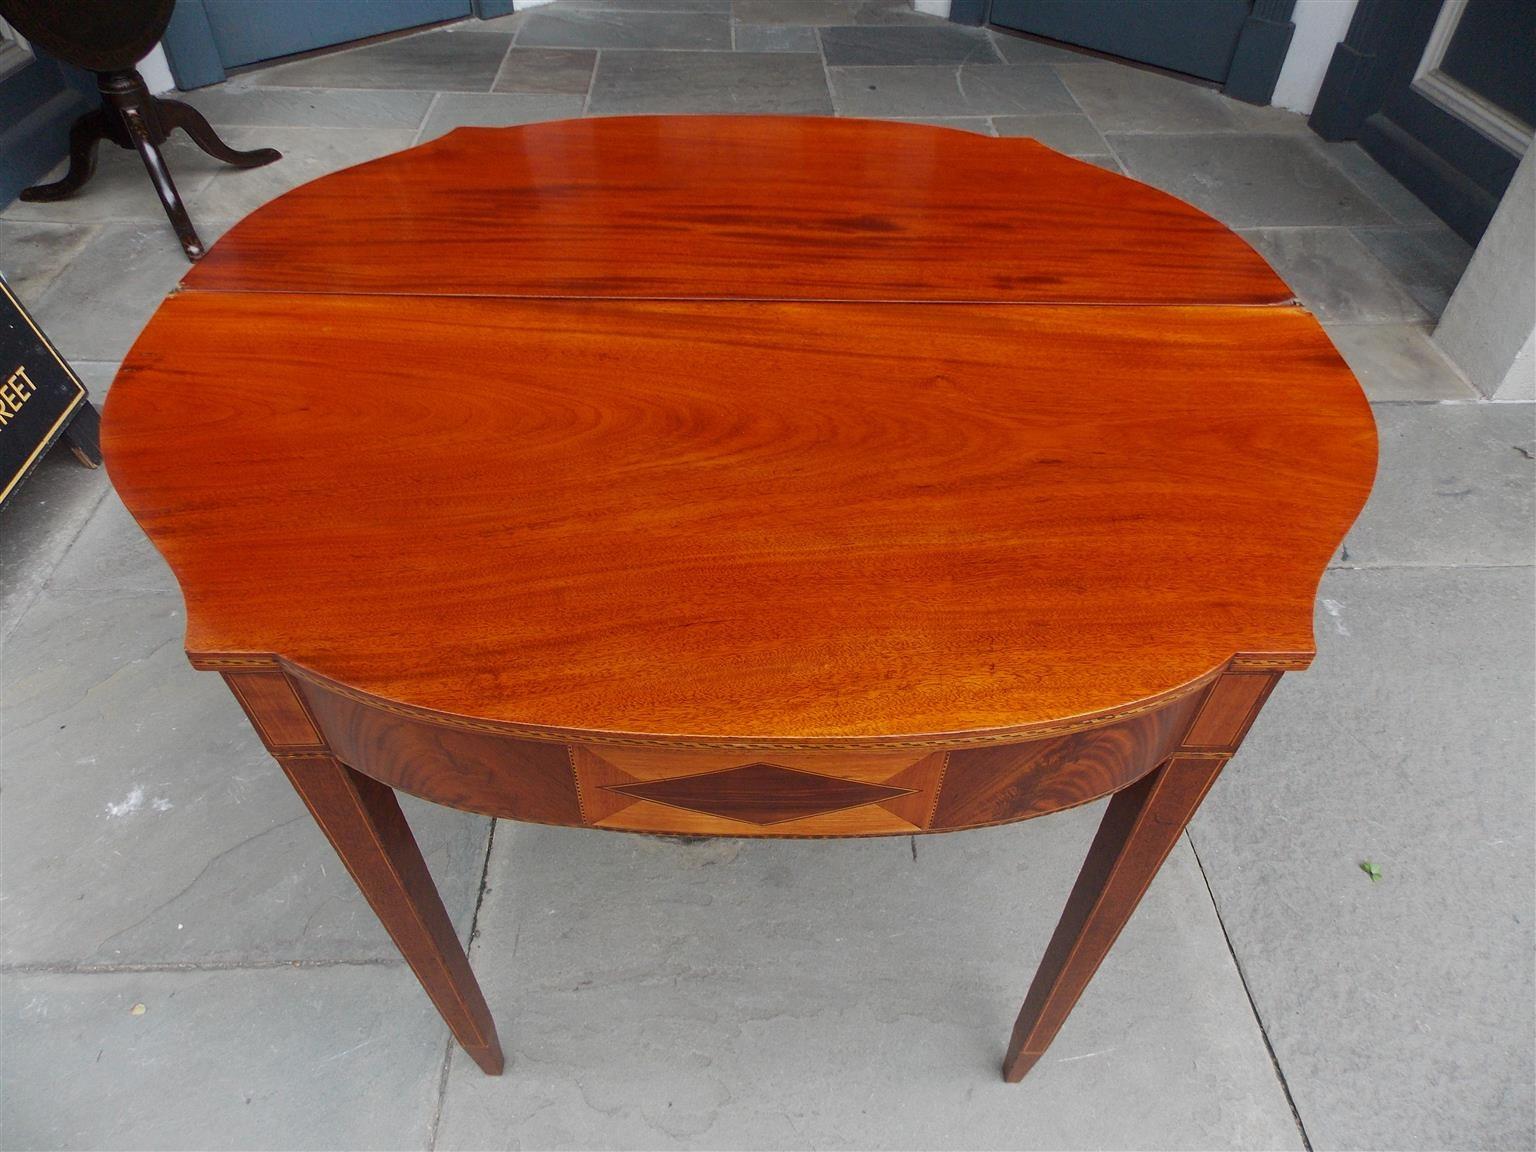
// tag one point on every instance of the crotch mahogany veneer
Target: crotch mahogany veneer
(742, 477)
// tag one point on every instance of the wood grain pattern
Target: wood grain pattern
(275, 711)
(480, 772)
(1140, 828)
(362, 820)
(760, 793)
(761, 207)
(732, 520)
(1012, 782)
(890, 792)
(923, 780)
(1227, 711)
(625, 788)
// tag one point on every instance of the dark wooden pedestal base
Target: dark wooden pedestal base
(131, 118)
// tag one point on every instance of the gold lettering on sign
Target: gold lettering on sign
(15, 392)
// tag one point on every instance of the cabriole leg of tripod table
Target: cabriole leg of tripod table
(362, 820)
(1139, 830)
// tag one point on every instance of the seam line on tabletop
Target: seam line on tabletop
(1290, 304)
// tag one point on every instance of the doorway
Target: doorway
(209, 37)
(1442, 93)
(1238, 45)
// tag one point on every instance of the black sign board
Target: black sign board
(41, 398)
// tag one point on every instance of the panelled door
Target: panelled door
(1238, 44)
(39, 99)
(207, 37)
(1442, 93)
(1197, 37)
(247, 32)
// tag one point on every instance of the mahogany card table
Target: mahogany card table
(742, 476)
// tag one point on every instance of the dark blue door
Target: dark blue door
(207, 37)
(250, 30)
(39, 99)
(1198, 37)
(1442, 93)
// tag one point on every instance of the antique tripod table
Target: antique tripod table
(742, 477)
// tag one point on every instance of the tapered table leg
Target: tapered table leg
(1140, 828)
(363, 822)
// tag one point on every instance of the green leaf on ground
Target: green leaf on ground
(1370, 870)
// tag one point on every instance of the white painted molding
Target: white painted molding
(156, 70)
(939, 8)
(1504, 129)
(1466, 105)
(1488, 326)
(1320, 25)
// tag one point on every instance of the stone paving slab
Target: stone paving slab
(237, 103)
(872, 12)
(598, 28)
(1376, 182)
(1401, 1011)
(1399, 362)
(1020, 50)
(808, 12)
(900, 44)
(1428, 262)
(38, 524)
(828, 994)
(34, 252)
(145, 824)
(1248, 180)
(1456, 485)
(774, 38)
(433, 61)
(308, 153)
(1065, 132)
(1121, 99)
(1335, 276)
(933, 90)
(97, 376)
(141, 261)
(980, 125)
(328, 1057)
(111, 554)
(120, 189)
(495, 110)
(562, 70)
(651, 5)
(644, 83)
